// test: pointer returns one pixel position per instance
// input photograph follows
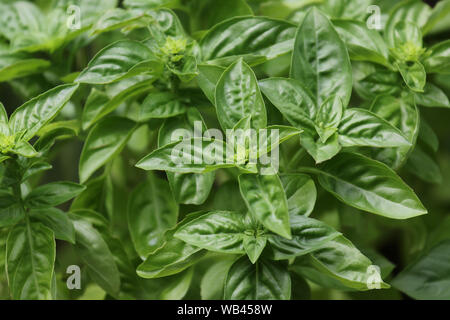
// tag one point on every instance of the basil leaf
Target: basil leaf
(187, 188)
(438, 15)
(207, 13)
(11, 210)
(320, 59)
(363, 44)
(37, 112)
(425, 167)
(402, 113)
(294, 101)
(14, 66)
(53, 194)
(353, 9)
(409, 10)
(57, 221)
(104, 141)
(237, 96)
(342, 261)
(328, 117)
(173, 256)
(151, 212)
(119, 60)
(360, 127)
(99, 104)
(438, 61)
(300, 192)
(213, 281)
(208, 78)
(265, 280)
(308, 235)
(254, 246)
(318, 150)
(247, 36)
(221, 231)
(196, 155)
(413, 74)
(428, 136)
(30, 258)
(119, 18)
(369, 185)
(265, 199)
(178, 286)
(426, 277)
(161, 105)
(95, 253)
(432, 97)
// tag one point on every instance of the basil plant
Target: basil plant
(224, 149)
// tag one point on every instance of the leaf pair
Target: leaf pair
(28, 119)
(336, 126)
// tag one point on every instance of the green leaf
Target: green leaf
(264, 280)
(408, 11)
(12, 67)
(24, 149)
(220, 231)
(293, 100)
(369, 185)
(104, 141)
(178, 285)
(119, 18)
(265, 198)
(119, 60)
(96, 255)
(308, 235)
(207, 13)
(328, 117)
(173, 256)
(438, 61)
(424, 166)
(213, 281)
(318, 150)
(342, 261)
(207, 79)
(360, 127)
(53, 194)
(194, 155)
(414, 75)
(254, 246)
(99, 104)
(320, 59)
(402, 113)
(363, 44)
(428, 136)
(187, 188)
(407, 33)
(427, 278)
(376, 81)
(161, 105)
(152, 210)
(432, 97)
(30, 258)
(37, 112)
(300, 192)
(57, 221)
(237, 96)
(439, 15)
(247, 37)
(351, 9)
(11, 210)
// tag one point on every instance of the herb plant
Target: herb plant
(224, 149)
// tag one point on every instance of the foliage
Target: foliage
(353, 111)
